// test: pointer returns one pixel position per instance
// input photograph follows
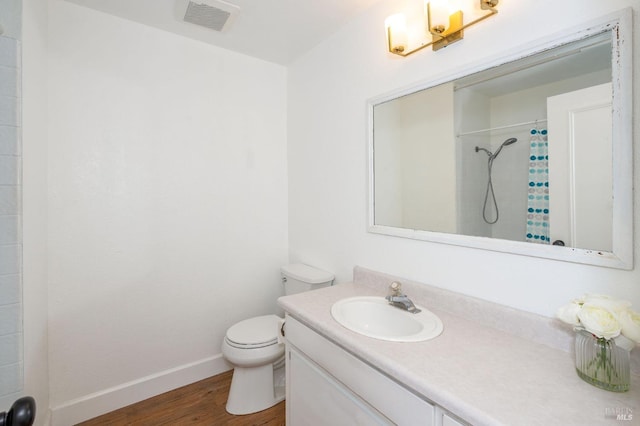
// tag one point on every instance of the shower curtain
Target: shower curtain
(538, 190)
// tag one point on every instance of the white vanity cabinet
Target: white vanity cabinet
(328, 386)
(317, 398)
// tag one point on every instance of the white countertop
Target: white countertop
(479, 373)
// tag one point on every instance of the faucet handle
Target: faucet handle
(396, 288)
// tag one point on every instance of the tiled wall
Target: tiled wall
(10, 228)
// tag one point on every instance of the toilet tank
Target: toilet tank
(298, 277)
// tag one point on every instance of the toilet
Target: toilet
(253, 348)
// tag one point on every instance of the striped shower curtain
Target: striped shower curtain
(538, 190)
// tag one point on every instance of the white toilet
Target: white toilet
(252, 347)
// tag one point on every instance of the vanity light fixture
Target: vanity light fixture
(444, 27)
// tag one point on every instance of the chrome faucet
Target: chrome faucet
(399, 300)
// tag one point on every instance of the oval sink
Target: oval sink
(374, 317)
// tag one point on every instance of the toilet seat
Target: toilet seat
(254, 333)
(253, 342)
(250, 346)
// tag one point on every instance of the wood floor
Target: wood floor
(200, 403)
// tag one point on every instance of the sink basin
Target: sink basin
(374, 317)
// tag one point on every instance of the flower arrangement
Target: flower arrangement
(607, 330)
(603, 317)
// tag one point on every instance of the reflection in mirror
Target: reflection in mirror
(522, 152)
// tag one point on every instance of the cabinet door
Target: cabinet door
(315, 398)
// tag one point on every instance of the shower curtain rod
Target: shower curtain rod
(526, 123)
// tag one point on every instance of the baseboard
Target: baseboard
(98, 403)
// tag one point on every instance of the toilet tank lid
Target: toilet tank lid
(306, 273)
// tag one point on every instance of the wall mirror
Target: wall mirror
(529, 154)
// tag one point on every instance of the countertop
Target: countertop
(481, 374)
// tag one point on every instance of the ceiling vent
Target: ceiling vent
(213, 14)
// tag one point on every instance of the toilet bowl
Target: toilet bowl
(253, 348)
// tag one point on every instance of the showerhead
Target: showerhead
(505, 143)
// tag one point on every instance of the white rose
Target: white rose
(569, 313)
(630, 323)
(599, 321)
(606, 302)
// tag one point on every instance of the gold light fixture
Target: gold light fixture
(443, 26)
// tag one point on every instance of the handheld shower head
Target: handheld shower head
(490, 193)
(491, 154)
(505, 143)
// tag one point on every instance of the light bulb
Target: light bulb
(396, 26)
(438, 11)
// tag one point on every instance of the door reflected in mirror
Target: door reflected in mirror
(522, 152)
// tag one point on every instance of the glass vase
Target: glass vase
(601, 362)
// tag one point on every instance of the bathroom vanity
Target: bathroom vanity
(491, 365)
(327, 385)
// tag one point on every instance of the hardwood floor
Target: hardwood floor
(201, 403)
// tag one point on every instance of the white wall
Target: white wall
(328, 89)
(428, 161)
(414, 161)
(387, 159)
(34, 204)
(167, 206)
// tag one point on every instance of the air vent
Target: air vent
(216, 15)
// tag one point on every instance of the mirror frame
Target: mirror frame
(621, 257)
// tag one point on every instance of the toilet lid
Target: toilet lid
(254, 331)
